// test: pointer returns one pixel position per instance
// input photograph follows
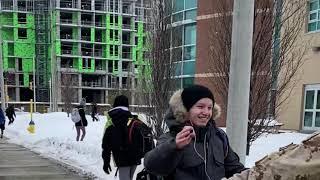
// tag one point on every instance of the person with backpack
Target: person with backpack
(2, 122)
(125, 151)
(10, 113)
(194, 148)
(94, 111)
(81, 123)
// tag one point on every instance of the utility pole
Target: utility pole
(34, 83)
(1, 72)
(240, 71)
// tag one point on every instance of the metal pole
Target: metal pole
(1, 72)
(50, 96)
(239, 81)
(34, 85)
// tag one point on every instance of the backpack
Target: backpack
(145, 175)
(75, 116)
(145, 142)
(223, 136)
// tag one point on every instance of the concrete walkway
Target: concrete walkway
(19, 163)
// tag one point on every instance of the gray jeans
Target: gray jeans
(126, 173)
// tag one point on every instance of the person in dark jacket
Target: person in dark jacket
(81, 125)
(94, 111)
(115, 140)
(10, 113)
(193, 148)
(2, 122)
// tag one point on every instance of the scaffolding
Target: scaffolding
(42, 28)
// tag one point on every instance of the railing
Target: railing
(65, 36)
(91, 84)
(86, 7)
(86, 53)
(66, 51)
(67, 5)
(127, 10)
(100, 24)
(86, 22)
(66, 21)
(85, 38)
(126, 26)
(113, 85)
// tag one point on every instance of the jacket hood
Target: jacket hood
(175, 116)
(119, 115)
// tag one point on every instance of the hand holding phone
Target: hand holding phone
(184, 137)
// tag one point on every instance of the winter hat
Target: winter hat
(193, 94)
(121, 101)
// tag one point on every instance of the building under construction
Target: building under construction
(94, 47)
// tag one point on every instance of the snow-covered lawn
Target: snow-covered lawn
(55, 136)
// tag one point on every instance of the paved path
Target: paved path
(19, 163)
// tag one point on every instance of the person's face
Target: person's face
(201, 112)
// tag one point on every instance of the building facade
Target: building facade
(98, 45)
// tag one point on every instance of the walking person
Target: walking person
(10, 114)
(94, 111)
(2, 122)
(194, 148)
(81, 125)
(115, 140)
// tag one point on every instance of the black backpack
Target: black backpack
(144, 143)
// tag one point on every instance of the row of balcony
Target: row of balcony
(125, 55)
(91, 23)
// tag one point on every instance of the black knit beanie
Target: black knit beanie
(121, 101)
(193, 94)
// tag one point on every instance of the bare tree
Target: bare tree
(69, 91)
(276, 57)
(156, 85)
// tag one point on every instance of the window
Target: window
(189, 52)
(188, 68)
(186, 82)
(176, 54)
(311, 120)
(178, 5)
(176, 36)
(191, 14)
(314, 16)
(22, 18)
(190, 34)
(177, 17)
(191, 4)
(22, 33)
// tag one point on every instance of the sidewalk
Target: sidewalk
(17, 163)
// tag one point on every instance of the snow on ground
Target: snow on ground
(55, 136)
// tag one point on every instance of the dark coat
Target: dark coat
(83, 121)
(2, 117)
(186, 164)
(10, 112)
(115, 140)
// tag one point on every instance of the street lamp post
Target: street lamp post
(240, 71)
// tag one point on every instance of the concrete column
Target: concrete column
(17, 85)
(80, 89)
(240, 71)
(1, 73)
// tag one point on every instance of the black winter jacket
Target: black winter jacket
(115, 140)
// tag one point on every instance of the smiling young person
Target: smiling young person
(194, 148)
